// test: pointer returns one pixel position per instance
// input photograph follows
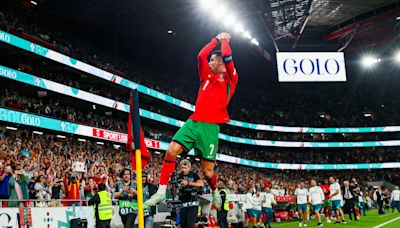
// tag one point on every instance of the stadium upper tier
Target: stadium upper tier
(36, 121)
(95, 71)
(86, 96)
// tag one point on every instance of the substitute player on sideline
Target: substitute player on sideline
(316, 200)
(268, 201)
(301, 194)
(218, 79)
(335, 197)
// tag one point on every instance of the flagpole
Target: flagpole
(139, 187)
(138, 155)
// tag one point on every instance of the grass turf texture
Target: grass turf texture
(371, 220)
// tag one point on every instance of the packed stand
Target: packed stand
(43, 167)
(51, 108)
(56, 107)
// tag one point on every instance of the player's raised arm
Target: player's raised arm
(202, 58)
(227, 55)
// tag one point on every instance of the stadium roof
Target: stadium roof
(333, 12)
(281, 18)
(138, 30)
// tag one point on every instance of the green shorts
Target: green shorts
(200, 136)
(327, 203)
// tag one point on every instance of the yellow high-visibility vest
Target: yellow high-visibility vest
(105, 206)
(226, 203)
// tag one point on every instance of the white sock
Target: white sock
(162, 189)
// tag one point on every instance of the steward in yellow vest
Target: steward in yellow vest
(102, 207)
(222, 213)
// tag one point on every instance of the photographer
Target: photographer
(127, 199)
(189, 184)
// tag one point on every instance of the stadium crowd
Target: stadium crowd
(55, 109)
(42, 165)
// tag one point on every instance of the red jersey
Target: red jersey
(215, 92)
(97, 180)
(326, 190)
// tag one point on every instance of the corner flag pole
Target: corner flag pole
(138, 155)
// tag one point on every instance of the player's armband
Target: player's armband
(227, 59)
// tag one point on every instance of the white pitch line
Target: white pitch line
(390, 221)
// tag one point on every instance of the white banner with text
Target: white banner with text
(311, 66)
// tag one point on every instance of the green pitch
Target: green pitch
(371, 220)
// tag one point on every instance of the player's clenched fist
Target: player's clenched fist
(224, 36)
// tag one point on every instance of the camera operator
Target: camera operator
(189, 186)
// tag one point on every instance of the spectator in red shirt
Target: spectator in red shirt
(267, 183)
(90, 188)
(97, 178)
